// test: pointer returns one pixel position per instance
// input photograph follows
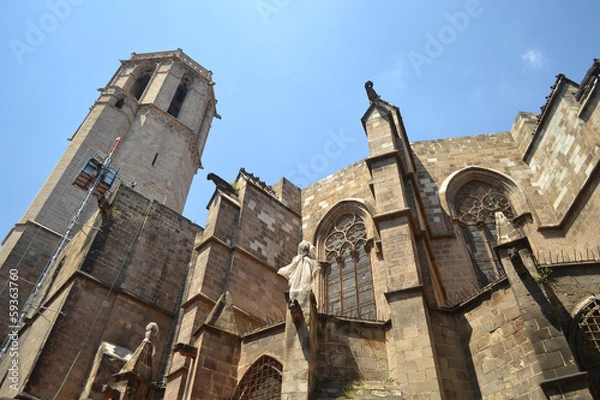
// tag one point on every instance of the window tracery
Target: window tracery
(585, 339)
(588, 333)
(476, 204)
(262, 381)
(348, 278)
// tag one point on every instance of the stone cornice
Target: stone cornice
(386, 215)
(173, 54)
(404, 293)
(382, 156)
(33, 223)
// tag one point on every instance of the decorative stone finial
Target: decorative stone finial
(371, 93)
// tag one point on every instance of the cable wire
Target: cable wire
(127, 253)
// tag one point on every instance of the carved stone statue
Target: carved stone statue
(151, 331)
(301, 272)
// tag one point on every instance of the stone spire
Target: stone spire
(222, 315)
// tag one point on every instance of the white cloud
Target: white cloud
(533, 58)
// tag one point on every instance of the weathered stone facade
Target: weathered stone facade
(155, 147)
(462, 268)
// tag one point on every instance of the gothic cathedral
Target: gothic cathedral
(462, 268)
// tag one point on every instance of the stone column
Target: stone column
(300, 348)
(412, 362)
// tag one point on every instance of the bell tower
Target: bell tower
(167, 103)
(161, 106)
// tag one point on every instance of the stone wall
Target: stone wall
(523, 129)
(160, 156)
(452, 333)
(126, 268)
(437, 163)
(93, 314)
(351, 182)
(266, 239)
(268, 230)
(563, 152)
(266, 341)
(143, 248)
(27, 260)
(503, 358)
(351, 351)
(25, 354)
(572, 285)
(216, 369)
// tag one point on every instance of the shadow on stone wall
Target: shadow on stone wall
(452, 335)
(566, 291)
(349, 352)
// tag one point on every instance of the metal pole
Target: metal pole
(63, 242)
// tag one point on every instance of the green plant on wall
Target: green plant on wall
(544, 274)
(349, 392)
(120, 215)
(387, 382)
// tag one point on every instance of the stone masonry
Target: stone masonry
(460, 268)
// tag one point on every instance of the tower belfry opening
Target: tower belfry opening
(141, 83)
(179, 97)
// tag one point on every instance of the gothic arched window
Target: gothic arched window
(179, 97)
(476, 204)
(262, 381)
(586, 339)
(140, 83)
(348, 278)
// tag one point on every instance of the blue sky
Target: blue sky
(289, 75)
